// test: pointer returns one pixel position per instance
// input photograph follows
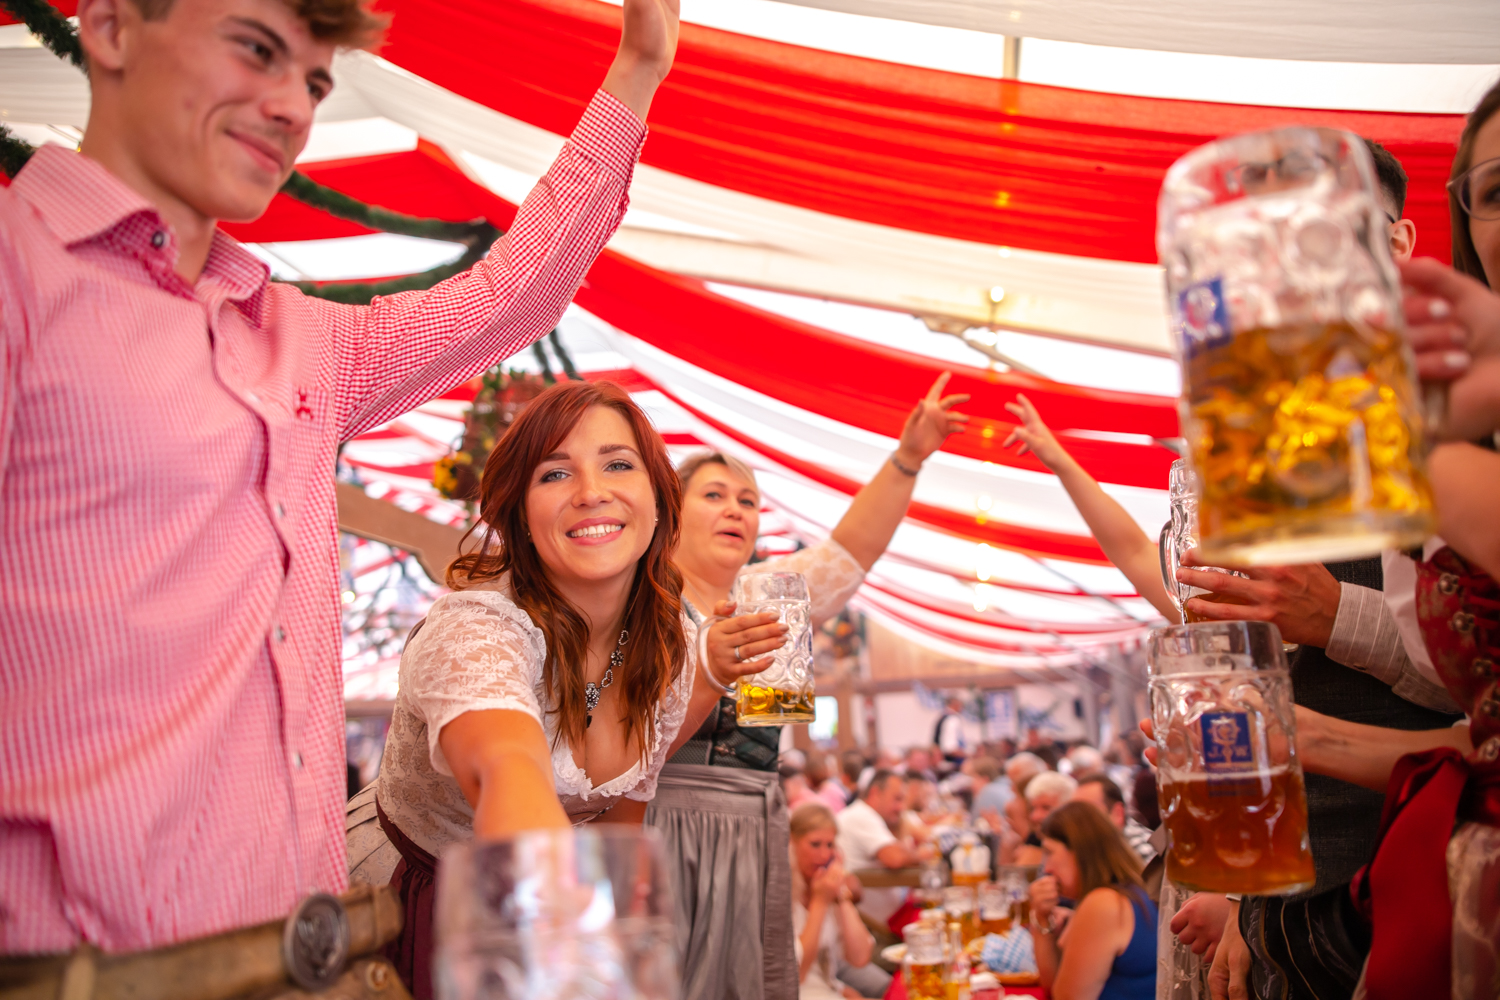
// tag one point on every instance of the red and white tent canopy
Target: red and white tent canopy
(824, 192)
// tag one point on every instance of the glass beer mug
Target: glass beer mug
(1229, 782)
(783, 692)
(924, 965)
(1298, 399)
(556, 915)
(1178, 536)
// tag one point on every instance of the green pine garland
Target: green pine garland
(48, 24)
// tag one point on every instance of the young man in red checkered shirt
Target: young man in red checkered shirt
(171, 738)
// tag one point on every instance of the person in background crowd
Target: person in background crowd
(993, 792)
(1106, 948)
(794, 786)
(828, 928)
(852, 765)
(1042, 794)
(172, 727)
(920, 799)
(821, 779)
(921, 761)
(1083, 759)
(1097, 790)
(1144, 801)
(1046, 792)
(948, 734)
(867, 839)
(886, 759)
(1026, 847)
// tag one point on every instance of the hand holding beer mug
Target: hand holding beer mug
(1230, 785)
(1298, 400)
(1178, 537)
(783, 692)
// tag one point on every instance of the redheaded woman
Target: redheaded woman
(551, 686)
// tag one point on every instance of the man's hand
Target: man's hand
(1301, 601)
(1231, 966)
(1453, 323)
(929, 425)
(1200, 923)
(1035, 435)
(648, 44)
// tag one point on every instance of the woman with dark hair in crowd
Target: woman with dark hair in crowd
(551, 686)
(1106, 950)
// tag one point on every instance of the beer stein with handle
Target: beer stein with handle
(1229, 782)
(1179, 535)
(583, 914)
(1298, 397)
(783, 692)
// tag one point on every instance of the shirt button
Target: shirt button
(280, 509)
(1448, 583)
(158, 238)
(1483, 667)
(280, 634)
(1461, 622)
(297, 759)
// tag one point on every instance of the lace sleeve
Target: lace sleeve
(476, 651)
(671, 713)
(833, 575)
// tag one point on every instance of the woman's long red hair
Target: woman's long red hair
(656, 649)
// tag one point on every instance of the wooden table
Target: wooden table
(889, 878)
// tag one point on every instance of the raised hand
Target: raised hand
(929, 425)
(1032, 434)
(648, 44)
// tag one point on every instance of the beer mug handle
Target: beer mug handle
(1166, 552)
(727, 689)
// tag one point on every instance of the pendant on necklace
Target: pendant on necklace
(592, 691)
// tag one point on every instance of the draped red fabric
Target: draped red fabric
(1018, 164)
(422, 182)
(867, 385)
(839, 377)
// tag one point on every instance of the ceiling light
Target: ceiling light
(997, 294)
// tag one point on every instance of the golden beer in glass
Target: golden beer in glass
(1229, 782)
(924, 967)
(783, 692)
(1299, 405)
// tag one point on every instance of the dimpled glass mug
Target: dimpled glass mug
(783, 692)
(574, 914)
(1228, 778)
(1298, 400)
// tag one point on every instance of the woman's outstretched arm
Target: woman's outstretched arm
(1123, 541)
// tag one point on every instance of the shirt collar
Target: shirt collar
(79, 200)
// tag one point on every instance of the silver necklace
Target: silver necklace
(592, 691)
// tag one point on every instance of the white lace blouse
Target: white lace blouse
(478, 651)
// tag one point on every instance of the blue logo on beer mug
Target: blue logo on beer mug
(1226, 752)
(1202, 317)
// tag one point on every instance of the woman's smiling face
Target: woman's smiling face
(590, 507)
(720, 519)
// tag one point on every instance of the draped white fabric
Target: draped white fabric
(1435, 31)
